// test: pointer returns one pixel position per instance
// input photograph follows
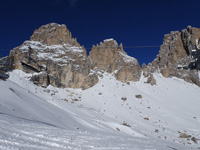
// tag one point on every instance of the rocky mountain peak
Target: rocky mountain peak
(110, 42)
(67, 64)
(65, 61)
(111, 57)
(175, 51)
(54, 34)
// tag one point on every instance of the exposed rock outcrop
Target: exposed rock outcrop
(41, 79)
(147, 74)
(65, 61)
(110, 57)
(151, 80)
(174, 51)
(6, 64)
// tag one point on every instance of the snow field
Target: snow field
(106, 116)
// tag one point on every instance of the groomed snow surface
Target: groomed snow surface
(109, 116)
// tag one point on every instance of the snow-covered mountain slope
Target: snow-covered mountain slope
(110, 115)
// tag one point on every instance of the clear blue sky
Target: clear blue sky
(134, 23)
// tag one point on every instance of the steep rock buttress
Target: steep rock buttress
(64, 59)
(110, 57)
(175, 51)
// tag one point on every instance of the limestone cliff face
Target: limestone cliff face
(110, 57)
(64, 62)
(175, 51)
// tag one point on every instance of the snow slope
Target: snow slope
(106, 116)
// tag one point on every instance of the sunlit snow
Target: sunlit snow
(107, 116)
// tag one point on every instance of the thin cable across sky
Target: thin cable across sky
(125, 47)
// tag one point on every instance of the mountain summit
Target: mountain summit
(174, 51)
(65, 62)
(110, 57)
(54, 34)
(111, 112)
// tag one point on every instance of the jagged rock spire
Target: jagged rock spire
(111, 57)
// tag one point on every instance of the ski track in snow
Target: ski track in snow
(32, 117)
(21, 134)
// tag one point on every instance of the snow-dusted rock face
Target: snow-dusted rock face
(65, 62)
(175, 51)
(110, 57)
(63, 59)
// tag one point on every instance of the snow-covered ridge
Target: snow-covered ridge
(111, 40)
(108, 40)
(40, 47)
(53, 24)
(128, 59)
(53, 52)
